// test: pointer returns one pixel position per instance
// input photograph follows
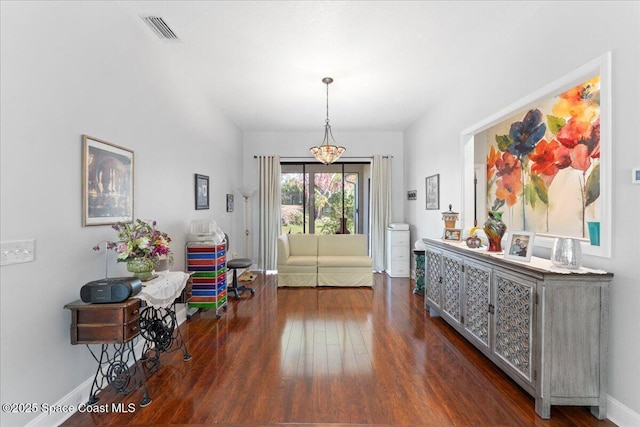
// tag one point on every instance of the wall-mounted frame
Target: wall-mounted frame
(432, 188)
(107, 182)
(202, 192)
(591, 161)
(229, 202)
(452, 234)
(412, 194)
(519, 245)
(635, 176)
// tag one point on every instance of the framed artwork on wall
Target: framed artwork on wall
(107, 182)
(432, 185)
(412, 195)
(202, 192)
(229, 202)
(548, 160)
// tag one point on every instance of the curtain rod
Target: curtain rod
(342, 157)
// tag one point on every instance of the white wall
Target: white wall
(86, 68)
(359, 145)
(502, 75)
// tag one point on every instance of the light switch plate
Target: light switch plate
(17, 251)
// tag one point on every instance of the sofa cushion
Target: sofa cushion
(345, 261)
(301, 260)
(342, 244)
(303, 244)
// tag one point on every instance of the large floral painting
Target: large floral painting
(543, 165)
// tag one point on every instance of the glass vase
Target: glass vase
(566, 253)
(494, 228)
(142, 268)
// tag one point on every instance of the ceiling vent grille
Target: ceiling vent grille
(161, 28)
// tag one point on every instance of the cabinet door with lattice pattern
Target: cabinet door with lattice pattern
(477, 303)
(452, 277)
(514, 322)
(433, 279)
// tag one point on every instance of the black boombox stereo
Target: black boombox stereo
(113, 289)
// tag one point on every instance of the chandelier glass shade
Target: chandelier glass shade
(327, 153)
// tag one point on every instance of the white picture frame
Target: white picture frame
(519, 245)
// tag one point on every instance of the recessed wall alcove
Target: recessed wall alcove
(474, 143)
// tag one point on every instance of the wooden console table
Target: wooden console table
(545, 327)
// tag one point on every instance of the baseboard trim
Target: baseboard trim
(621, 415)
(80, 395)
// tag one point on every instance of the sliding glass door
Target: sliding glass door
(322, 199)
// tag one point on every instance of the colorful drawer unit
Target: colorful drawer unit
(207, 262)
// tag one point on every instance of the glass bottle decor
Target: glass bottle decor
(566, 253)
(494, 228)
(142, 268)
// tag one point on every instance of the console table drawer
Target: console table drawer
(104, 323)
(101, 334)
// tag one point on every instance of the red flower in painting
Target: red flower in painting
(544, 158)
(509, 186)
(508, 164)
(574, 132)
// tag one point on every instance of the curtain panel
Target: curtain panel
(380, 208)
(269, 212)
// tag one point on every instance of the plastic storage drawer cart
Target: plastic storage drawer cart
(207, 262)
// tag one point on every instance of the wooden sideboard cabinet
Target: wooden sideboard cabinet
(546, 329)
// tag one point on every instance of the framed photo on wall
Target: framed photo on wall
(229, 202)
(202, 192)
(107, 182)
(519, 245)
(432, 185)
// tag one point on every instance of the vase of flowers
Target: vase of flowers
(142, 268)
(140, 245)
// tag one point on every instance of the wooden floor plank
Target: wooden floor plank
(329, 357)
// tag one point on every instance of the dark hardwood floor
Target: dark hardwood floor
(347, 356)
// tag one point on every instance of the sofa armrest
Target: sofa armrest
(283, 249)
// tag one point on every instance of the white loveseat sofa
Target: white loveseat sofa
(307, 260)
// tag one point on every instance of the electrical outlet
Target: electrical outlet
(17, 251)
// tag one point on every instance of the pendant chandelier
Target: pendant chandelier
(327, 153)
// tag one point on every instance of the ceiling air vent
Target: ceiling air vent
(160, 27)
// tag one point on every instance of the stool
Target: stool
(235, 264)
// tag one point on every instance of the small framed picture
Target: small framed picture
(432, 185)
(519, 245)
(635, 176)
(229, 202)
(412, 194)
(452, 234)
(202, 192)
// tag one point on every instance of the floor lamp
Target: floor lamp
(246, 193)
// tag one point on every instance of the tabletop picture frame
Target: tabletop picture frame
(107, 182)
(519, 245)
(452, 234)
(201, 192)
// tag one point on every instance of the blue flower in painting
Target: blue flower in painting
(526, 134)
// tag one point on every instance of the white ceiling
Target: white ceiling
(262, 62)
